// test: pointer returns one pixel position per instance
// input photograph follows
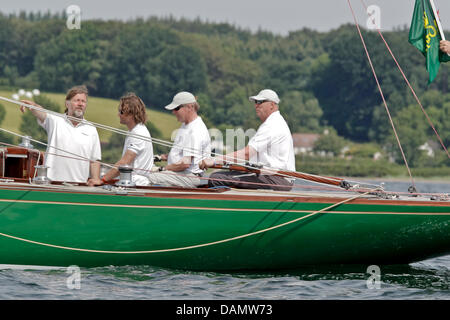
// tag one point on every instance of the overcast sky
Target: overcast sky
(278, 16)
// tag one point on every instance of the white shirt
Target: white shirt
(192, 140)
(142, 148)
(81, 142)
(273, 144)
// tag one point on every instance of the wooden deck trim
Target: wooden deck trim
(205, 195)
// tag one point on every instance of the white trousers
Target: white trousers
(172, 179)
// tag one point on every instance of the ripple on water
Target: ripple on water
(428, 279)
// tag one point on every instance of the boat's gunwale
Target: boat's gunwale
(225, 196)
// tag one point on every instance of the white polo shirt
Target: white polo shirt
(81, 140)
(192, 140)
(273, 144)
(143, 162)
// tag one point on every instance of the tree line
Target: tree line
(323, 78)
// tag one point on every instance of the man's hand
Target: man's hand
(22, 108)
(41, 115)
(444, 45)
(206, 163)
(160, 157)
(94, 182)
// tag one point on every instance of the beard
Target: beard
(78, 114)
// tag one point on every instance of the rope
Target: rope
(108, 128)
(76, 156)
(151, 172)
(411, 88)
(126, 133)
(322, 188)
(188, 247)
(268, 170)
(111, 166)
(382, 95)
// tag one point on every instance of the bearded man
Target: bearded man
(73, 145)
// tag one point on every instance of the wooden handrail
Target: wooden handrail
(306, 176)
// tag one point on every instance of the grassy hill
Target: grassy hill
(100, 110)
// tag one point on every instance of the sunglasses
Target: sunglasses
(178, 108)
(258, 102)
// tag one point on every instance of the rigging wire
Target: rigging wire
(154, 140)
(295, 186)
(124, 132)
(73, 155)
(382, 95)
(410, 86)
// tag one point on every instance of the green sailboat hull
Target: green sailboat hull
(218, 232)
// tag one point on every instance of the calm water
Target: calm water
(428, 279)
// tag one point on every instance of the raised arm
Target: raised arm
(40, 115)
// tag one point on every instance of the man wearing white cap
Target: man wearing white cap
(191, 145)
(271, 146)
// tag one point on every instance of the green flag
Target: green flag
(424, 35)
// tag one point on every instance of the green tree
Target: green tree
(132, 62)
(440, 119)
(345, 87)
(365, 150)
(411, 128)
(301, 111)
(238, 109)
(330, 142)
(9, 49)
(156, 134)
(112, 151)
(73, 57)
(286, 75)
(231, 76)
(178, 68)
(4, 136)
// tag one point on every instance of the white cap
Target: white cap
(181, 98)
(266, 94)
